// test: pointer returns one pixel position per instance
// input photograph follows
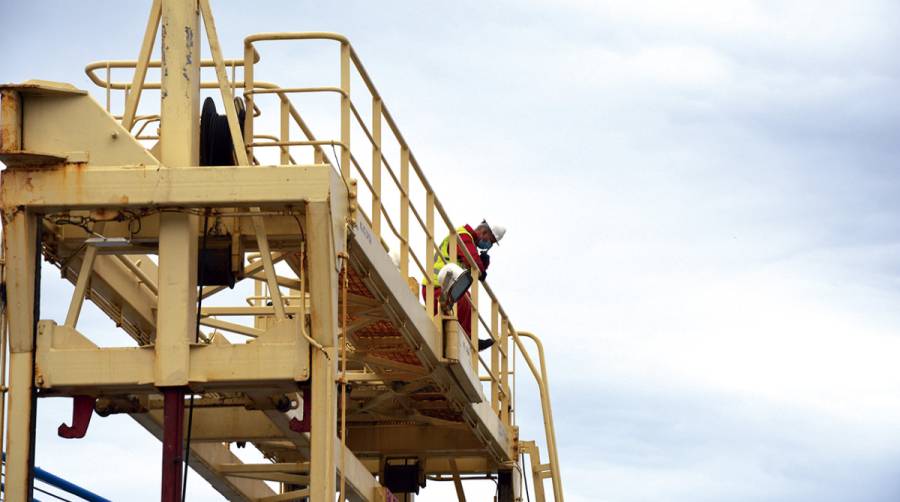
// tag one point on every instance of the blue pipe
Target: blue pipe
(62, 484)
(58, 482)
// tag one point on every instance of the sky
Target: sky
(700, 197)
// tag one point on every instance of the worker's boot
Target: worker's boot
(485, 344)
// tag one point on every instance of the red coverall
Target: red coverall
(464, 305)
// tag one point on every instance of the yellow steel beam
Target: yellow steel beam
(65, 122)
(81, 285)
(231, 327)
(22, 263)
(228, 424)
(69, 362)
(121, 296)
(426, 440)
(457, 482)
(287, 467)
(70, 186)
(537, 475)
(245, 311)
(323, 287)
(283, 497)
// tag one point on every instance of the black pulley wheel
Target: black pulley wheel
(216, 147)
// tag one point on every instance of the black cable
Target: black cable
(36, 315)
(199, 276)
(187, 450)
(45, 492)
(336, 160)
(65, 262)
(474, 477)
(525, 474)
(187, 443)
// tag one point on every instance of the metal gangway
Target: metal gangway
(334, 368)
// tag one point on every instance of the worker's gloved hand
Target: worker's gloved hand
(485, 258)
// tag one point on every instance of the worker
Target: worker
(477, 241)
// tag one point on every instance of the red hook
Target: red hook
(82, 409)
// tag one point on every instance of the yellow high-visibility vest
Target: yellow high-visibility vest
(442, 255)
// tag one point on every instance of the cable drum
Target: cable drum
(216, 147)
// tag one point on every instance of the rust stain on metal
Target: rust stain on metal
(10, 121)
(38, 376)
(102, 214)
(4, 138)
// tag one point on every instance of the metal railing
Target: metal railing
(405, 175)
(415, 259)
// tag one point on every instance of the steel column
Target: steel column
(179, 147)
(323, 287)
(22, 268)
(505, 492)
(173, 440)
(176, 319)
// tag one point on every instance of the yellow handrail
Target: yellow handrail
(543, 386)
(500, 328)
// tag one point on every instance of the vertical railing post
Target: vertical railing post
(474, 321)
(504, 371)
(285, 131)
(495, 356)
(140, 68)
(404, 210)
(108, 87)
(376, 166)
(248, 99)
(452, 249)
(429, 253)
(345, 111)
(513, 392)
(233, 77)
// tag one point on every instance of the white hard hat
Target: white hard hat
(449, 274)
(454, 281)
(498, 231)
